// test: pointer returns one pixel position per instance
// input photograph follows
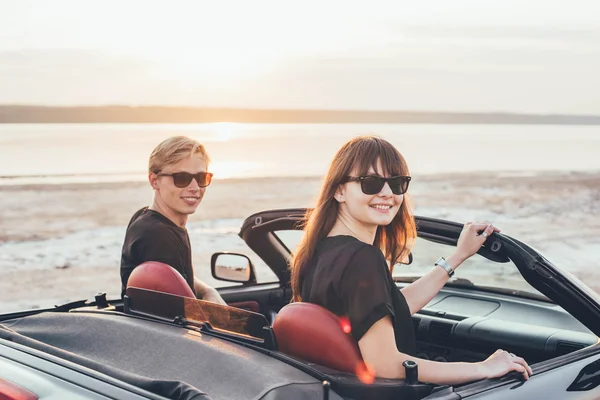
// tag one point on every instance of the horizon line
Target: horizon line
(275, 109)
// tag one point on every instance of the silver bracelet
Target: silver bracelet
(444, 264)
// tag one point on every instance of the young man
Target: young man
(178, 174)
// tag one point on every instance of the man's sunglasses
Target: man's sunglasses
(183, 179)
(372, 184)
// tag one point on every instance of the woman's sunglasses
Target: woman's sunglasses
(183, 179)
(372, 184)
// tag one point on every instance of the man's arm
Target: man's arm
(208, 293)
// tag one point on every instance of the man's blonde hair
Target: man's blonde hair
(173, 150)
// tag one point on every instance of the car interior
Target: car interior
(466, 321)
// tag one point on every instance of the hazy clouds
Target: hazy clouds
(533, 56)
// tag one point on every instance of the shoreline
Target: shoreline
(34, 113)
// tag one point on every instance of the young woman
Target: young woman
(361, 224)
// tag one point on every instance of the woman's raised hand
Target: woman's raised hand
(502, 362)
(472, 237)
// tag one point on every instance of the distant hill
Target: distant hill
(163, 114)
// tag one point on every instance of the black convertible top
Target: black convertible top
(164, 359)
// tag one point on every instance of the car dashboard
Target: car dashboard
(469, 325)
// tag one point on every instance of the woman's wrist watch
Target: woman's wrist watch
(444, 264)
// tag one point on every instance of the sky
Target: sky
(531, 56)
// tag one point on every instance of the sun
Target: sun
(223, 131)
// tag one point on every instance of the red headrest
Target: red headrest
(316, 335)
(160, 277)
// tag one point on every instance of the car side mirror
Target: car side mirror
(232, 267)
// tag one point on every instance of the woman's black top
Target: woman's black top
(351, 278)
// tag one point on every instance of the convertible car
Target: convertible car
(160, 342)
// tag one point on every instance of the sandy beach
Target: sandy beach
(63, 242)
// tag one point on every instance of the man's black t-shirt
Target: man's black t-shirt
(351, 278)
(151, 236)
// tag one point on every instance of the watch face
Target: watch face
(442, 263)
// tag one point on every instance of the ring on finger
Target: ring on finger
(484, 234)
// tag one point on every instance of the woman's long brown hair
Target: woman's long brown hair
(356, 156)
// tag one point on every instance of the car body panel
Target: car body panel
(164, 358)
(554, 385)
(51, 379)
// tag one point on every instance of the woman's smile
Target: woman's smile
(383, 208)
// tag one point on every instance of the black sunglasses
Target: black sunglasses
(183, 179)
(372, 184)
